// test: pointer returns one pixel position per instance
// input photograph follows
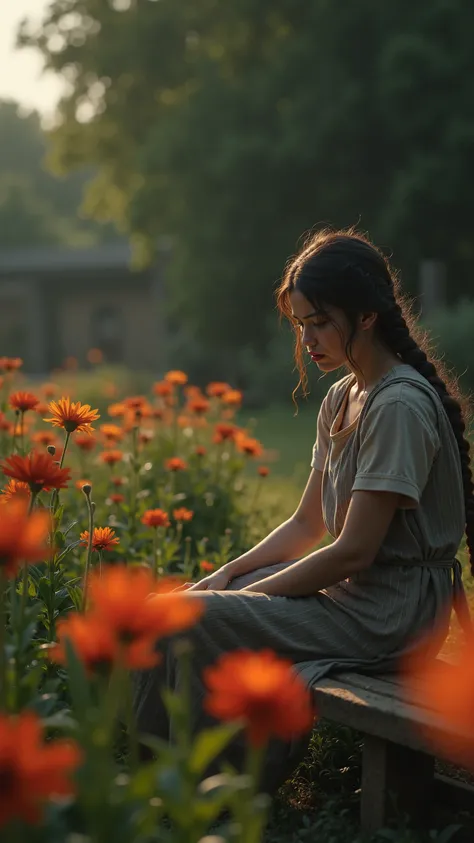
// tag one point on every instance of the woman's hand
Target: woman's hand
(217, 581)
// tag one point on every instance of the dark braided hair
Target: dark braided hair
(343, 269)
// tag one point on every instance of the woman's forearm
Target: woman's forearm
(321, 569)
(290, 540)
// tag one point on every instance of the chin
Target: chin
(328, 365)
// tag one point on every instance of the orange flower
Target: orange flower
(49, 389)
(261, 689)
(233, 397)
(23, 537)
(200, 451)
(116, 497)
(249, 446)
(224, 431)
(97, 646)
(111, 432)
(85, 441)
(155, 518)
(216, 389)
(111, 457)
(182, 514)
(135, 402)
(42, 408)
(10, 364)
(33, 770)
(118, 481)
(38, 470)
(23, 401)
(199, 405)
(118, 409)
(175, 464)
(176, 377)
(103, 538)
(206, 567)
(71, 416)
(162, 388)
(81, 483)
(15, 489)
(448, 690)
(263, 470)
(44, 437)
(122, 598)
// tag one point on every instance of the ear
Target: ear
(367, 320)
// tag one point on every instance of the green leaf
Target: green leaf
(209, 743)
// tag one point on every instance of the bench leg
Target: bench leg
(395, 780)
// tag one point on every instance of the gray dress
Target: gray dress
(401, 442)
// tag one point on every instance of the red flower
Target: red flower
(249, 446)
(23, 401)
(175, 464)
(155, 518)
(224, 431)
(103, 538)
(206, 567)
(116, 497)
(32, 771)
(162, 388)
(263, 470)
(200, 451)
(263, 691)
(23, 537)
(38, 470)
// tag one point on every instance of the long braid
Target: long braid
(396, 334)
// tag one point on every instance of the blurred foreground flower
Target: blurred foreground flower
(23, 538)
(98, 647)
(103, 538)
(448, 690)
(31, 771)
(38, 470)
(15, 489)
(261, 689)
(72, 416)
(10, 364)
(135, 605)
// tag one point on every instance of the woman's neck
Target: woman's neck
(373, 368)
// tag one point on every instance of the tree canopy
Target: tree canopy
(234, 128)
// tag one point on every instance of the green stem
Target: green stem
(155, 551)
(22, 432)
(66, 443)
(24, 590)
(3, 629)
(89, 551)
(55, 496)
(131, 726)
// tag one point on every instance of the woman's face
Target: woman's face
(325, 340)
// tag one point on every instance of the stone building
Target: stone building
(57, 303)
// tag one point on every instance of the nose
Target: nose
(308, 338)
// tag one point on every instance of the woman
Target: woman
(390, 481)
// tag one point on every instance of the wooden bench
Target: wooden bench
(398, 767)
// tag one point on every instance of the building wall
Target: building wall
(136, 309)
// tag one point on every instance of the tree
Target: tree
(37, 208)
(236, 127)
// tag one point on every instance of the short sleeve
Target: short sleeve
(321, 446)
(399, 442)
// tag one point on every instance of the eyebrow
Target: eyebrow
(308, 316)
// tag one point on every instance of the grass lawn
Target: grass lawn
(321, 802)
